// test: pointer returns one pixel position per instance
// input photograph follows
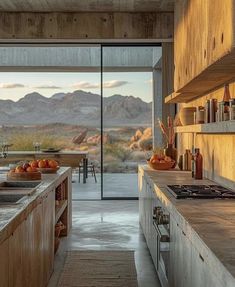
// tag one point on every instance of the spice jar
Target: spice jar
(232, 109)
(213, 109)
(207, 112)
(199, 115)
(221, 112)
(226, 111)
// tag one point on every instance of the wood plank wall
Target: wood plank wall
(217, 149)
(204, 33)
(155, 25)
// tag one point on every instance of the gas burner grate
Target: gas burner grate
(201, 191)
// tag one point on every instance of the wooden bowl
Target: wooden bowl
(186, 115)
(48, 170)
(161, 165)
(24, 176)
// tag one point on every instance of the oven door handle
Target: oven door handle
(162, 233)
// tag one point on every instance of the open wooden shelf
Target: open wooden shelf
(212, 128)
(59, 209)
(175, 98)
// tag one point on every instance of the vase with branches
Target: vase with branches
(169, 136)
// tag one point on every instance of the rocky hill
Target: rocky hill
(78, 107)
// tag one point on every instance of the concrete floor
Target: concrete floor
(108, 225)
(115, 185)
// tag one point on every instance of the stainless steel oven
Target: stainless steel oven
(161, 229)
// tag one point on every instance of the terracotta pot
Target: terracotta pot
(186, 115)
(171, 152)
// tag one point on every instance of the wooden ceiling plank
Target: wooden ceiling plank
(86, 5)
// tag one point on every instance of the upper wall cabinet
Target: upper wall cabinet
(204, 47)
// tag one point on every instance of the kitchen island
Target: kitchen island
(201, 249)
(27, 231)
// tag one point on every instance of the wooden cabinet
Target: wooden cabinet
(4, 263)
(48, 207)
(188, 267)
(180, 257)
(147, 201)
(145, 210)
(35, 229)
(203, 275)
(204, 46)
(192, 264)
(31, 246)
(19, 254)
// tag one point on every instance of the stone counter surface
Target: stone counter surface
(12, 215)
(208, 223)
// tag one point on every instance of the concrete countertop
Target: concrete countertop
(208, 223)
(12, 215)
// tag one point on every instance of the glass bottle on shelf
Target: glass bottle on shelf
(227, 96)
(198, 164)
(226, 100)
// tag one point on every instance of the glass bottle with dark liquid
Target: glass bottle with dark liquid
(198, 164)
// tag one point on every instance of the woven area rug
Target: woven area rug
(99, 269)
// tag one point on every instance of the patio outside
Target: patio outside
(62, 111)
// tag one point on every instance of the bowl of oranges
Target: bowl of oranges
(46, 165)
(160, 162)
(24, 171)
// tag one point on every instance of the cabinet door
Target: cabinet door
(202, 274)
(35, 228)
(4, 263)
(48, 207)
(19, 251)
(141, 199)
(149, 213)
(144, 220)
(180, 257)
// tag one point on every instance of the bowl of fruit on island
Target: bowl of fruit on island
(24, 171)
(160, 162)
(45, 165)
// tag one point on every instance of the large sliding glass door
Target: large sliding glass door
(127, 97)
(82, 98)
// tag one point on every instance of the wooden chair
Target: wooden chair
(90, 167)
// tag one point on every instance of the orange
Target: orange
(33, 163)
(42, 164)
(19, 169)
(53, 163)
(46, 162)
(29, 169)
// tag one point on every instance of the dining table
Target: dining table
(69, 158)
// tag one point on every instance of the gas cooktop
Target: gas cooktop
(201, 191)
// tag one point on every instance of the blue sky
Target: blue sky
(15, 85)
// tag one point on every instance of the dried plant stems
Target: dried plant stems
(168, 132)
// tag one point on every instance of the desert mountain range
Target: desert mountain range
(78, 108)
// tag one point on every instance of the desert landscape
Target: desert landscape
(127, 134)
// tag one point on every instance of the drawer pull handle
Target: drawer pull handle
(183, 233)
(201, 257)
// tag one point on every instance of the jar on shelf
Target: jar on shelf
(199, 117)
(223, 111)
(232, 109)
(226, 111)
(213, 109)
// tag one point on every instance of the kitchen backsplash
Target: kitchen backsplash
(218, 150)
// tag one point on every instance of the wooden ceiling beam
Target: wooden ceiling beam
(87, 26)
(86, 5)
